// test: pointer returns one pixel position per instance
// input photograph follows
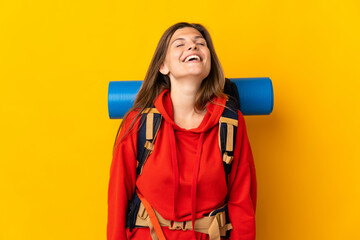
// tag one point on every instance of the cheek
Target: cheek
(207, 54)
(209, 60)
(173, 58)
(177, 55)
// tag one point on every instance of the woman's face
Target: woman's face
(178, 64)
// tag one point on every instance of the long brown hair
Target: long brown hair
(155, 82)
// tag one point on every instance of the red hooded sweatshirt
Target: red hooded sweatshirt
(184, 177)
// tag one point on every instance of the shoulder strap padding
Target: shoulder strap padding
(228, 124)
(149, 127)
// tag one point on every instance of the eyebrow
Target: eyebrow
(196, 37)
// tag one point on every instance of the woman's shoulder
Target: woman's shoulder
(128, 126)
(240, 115)
(241, 120)
(131, 118)
(131, 115)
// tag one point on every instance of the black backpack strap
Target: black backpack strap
(149, 127)
(227, 134)
(133, 207)
(228, 124)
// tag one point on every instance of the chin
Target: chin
(198, 72)
(194, 74)
(200, 76)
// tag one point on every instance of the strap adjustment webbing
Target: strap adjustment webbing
(229, 121)
(214, 225)
(150, 219)
(230, 124)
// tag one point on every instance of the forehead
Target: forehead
(186, 32)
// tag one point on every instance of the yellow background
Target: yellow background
(57, 58)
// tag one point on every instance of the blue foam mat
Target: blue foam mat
(256, 96)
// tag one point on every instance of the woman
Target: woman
(183, 180)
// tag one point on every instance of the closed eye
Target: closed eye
(203, 44)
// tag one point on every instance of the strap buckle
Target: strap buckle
(220, 218)
(177, 226)
(142, 212)
(149, 146)
(227, 159)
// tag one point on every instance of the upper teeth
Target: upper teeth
(192, 56)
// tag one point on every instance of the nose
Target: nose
(192, 46)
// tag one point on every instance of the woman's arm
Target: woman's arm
(242, 187)
(122, 180)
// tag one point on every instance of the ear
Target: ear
(164, 69)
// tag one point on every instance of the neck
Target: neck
(183, 97)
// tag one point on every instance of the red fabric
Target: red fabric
(167, 180)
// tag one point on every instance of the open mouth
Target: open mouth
(193, 61)
(192, 58)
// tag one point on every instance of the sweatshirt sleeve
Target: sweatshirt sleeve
(242, 187)
(122, 180)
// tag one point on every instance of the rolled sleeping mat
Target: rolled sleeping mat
(256, 96)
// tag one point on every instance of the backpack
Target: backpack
(150, 124)
(151, 121)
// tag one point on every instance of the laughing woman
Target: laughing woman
(182, 164)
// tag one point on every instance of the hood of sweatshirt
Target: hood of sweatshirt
(211, 119)
(214, 109)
